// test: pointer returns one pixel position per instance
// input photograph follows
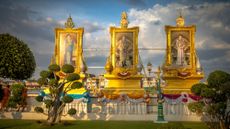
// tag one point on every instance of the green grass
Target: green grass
(27, 124)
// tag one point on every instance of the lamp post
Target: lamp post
(149, 78)
(149, 67)
(160, 99)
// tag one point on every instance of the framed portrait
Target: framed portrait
(180, 46)
(124, 47)
(68, 46)
(124, 53)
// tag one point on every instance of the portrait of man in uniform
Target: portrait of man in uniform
(180, 50)
(67, 48)
(124, 50)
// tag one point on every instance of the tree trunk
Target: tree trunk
(54, 116)
(222, 125)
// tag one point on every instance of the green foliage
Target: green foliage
(225, 88)
(214, 96)
(54, 68)
(16, 90)
(58, 88)
(17, 60)
(16, 98)
(39, 98)
(67, 68)
(217, 78)
(67, 99)
(196, 107)
(48, 103)
(72, 111)
(12, 102)
(72, 77)
(197, 88)
(208, 92)
(38, 110)
(42, 81)
(53, 82)
(45, 74)
(76, 85)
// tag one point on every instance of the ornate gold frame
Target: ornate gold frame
(79, 34)
(191, 30)
(113, 33)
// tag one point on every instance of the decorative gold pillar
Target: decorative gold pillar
(122, 64)
(181, 68)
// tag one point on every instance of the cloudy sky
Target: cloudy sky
(34, 22)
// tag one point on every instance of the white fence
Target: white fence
(113, 111)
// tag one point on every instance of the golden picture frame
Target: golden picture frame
(68, 46)
(180, 47)
(128, 37)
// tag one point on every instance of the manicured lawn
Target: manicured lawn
(27, 124)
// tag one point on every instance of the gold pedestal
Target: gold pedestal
(117, 87)
(178, 85)
(181, 68)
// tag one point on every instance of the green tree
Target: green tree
(17, 61)
(58, 97)
(214, 95)
(17, 99)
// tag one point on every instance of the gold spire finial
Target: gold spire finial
(180, 19)
(69, 23)
(124, 20)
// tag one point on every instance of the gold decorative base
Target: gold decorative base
(116, 87)
(176, 85)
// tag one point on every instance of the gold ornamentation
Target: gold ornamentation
(83, 67)
(69, 23)
(122, 66)
(108, 66)
(124, 73)
(124, 20)
(180, 77)
(77, 53)
(180, 20)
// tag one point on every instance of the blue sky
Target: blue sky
(34, 22)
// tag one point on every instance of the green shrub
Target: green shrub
(76, 85)
(42, 81)
(73, 77)
(39, 98)
(38, 110)
(67, 68)
(208, 92)
(196, 107)
(54, 68)
(53, 82)
(72, 111)
(197, 88)
(217, 78)
(67, 99)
